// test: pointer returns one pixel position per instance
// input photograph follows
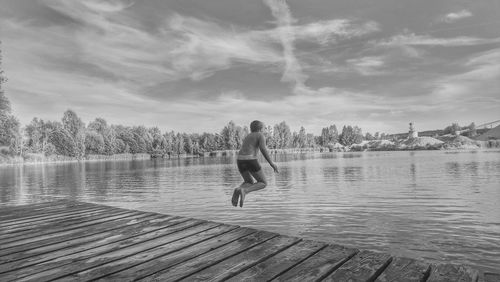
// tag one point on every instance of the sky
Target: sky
(194, 65)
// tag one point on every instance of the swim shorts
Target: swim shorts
(248, 165)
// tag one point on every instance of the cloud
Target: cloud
(204, 47)
(412, 45)
(330, 31)
(370, 65)
(482, 79)
(292, 69)
(411, 39)
(110, 6)
(453, 17)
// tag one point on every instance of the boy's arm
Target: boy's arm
(263, 149)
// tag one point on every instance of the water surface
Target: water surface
(436, 205)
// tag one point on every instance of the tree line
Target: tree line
(72, 137)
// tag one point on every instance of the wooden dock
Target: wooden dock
(76, 241)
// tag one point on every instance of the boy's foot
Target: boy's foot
(236, 195)
(242, 196)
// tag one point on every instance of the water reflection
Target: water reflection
(353, 174)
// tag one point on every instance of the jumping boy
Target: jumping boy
(249, 166)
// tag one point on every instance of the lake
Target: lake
(442, 206)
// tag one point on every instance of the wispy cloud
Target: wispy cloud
(110, 6)
(456, 16)
(292, 69)
(413, 45)
(482, 76)
(411, 39)
(199, 47)
(327, 32)
(367, 65)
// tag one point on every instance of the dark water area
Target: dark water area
(441, 206)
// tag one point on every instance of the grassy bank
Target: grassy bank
(42, 159)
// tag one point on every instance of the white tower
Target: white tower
(412, 133)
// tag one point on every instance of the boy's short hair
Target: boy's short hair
(256, 126)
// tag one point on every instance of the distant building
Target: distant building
(412, 133)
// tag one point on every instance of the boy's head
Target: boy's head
(256, 126)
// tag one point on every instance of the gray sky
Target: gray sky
(194, 65)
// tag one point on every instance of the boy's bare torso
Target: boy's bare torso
(250, 146)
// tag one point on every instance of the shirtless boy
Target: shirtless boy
(249, 166)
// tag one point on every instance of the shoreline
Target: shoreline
(56, 159)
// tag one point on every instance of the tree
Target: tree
(229, 135)
(9, 125)
(329, 135)
(99, 125)
(347, 137)
(188, 144)
(358, 135)
(94, 143)
(168, 146)
(9, 129)
(207, 142)
(310, 141)
(268, 134)
(157, 141)
(239, 136)
(452, 129)
(179, 144)
(120, 147)
(282, 135)
(142, 139)
(108, 133)
(472, 130)
(301, 138)
(4, 102)
(37, 136)
(126, 135)
(72, 123)
(63, 142)
(369, 137)
(76, 128)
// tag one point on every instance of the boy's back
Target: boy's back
(251, 144)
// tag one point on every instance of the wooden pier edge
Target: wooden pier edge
(79, 241)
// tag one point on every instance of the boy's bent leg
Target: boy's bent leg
(247, 181)
(261, 184)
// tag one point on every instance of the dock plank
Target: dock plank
(8, 210)
(206, 260)
(62, 210)
(26, 239)
(59, 220)
(85, 236)
(318, 265)
(278, 264)
(58, 229)
(242, 261)
(126, 236)
(59, 207)
(405, 269)
(456, 273)
(364, 266)
(160, 260)
(70, 270)
(134, 260)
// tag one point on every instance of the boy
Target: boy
(249, 166)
